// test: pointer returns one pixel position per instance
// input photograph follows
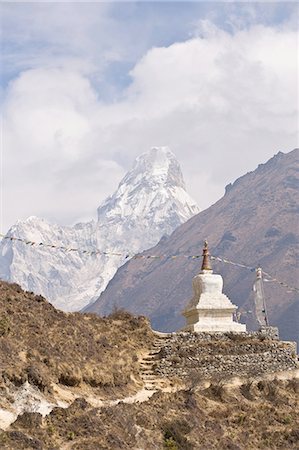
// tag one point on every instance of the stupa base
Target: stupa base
(216, 327)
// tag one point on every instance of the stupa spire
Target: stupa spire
(206, 261)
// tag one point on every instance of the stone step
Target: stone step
(153, 377)
(150, 358)
(162, 340)
(154, 386)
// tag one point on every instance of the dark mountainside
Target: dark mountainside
(255, 222)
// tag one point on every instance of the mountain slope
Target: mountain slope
(151, 197)
(256, 223)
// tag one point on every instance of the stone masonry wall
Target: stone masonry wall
(224, 355)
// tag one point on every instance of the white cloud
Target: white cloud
(48, 119)
(223, 103)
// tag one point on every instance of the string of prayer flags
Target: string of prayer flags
(269, 278)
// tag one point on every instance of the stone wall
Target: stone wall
(224, 355)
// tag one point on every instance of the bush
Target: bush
(293, 385)
(4, 326)
(194, 378)
(170, 444)
(216, 390)
(174, 435)
(246, 389)
(70, 377)
(269, 389)
(120, 314)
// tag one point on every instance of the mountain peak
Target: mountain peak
(149, 203)
(153, 188)
(157, 166)
(157, 160)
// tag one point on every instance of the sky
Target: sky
(86, 87)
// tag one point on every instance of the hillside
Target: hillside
(73, 381)
(49, 348)
(255, 223)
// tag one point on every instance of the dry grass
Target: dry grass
(183, 420)
(43, 345)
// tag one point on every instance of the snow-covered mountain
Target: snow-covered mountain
(151, 201)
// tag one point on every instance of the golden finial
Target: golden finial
(206, 263)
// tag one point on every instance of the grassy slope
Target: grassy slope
(46, 346)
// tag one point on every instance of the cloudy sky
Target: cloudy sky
(86, 87)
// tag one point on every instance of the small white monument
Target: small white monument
(210, 310)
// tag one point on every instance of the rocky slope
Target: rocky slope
(151, 197)
(74, 381)
(256, 223)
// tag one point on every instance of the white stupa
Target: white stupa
(210, 310)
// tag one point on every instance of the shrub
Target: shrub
(70, 377)
(170, 444)
(293, 385)
(4, 326)
(245, 390)
(174, 435)
(120, 314)
(216, 390)
(270, 390)
(194, 378)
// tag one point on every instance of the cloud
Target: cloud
(223, 101)
(48, 119)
